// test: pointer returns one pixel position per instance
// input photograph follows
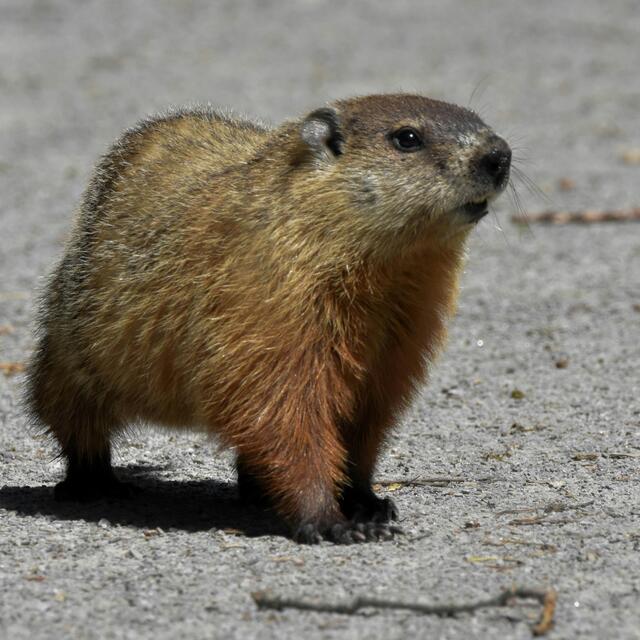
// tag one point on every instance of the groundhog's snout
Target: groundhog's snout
(495, 162)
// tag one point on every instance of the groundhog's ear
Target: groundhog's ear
(321, 131)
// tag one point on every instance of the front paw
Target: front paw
(346, 532)
(363, 505)
(382, 510)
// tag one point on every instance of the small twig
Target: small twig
(10, 368)
(605, 454)
(584, 455)
(13, 295)
(582, 217)
(510, 512)
(553, 507)
(437, 481)
(265, 600)
(548, 609)
(557, 507)
(541, 520)
(417, 482)
(620, 454)
(543, 546)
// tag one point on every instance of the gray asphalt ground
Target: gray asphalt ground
(543, 487)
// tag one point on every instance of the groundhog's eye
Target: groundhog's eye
(407, 139)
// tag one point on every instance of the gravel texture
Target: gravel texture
(532, 412)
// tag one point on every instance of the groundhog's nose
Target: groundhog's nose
(495, 163)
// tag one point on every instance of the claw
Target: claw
(349, 532)
(365, 506)
(308, 534)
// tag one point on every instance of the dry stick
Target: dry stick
(548, 609)
(620, 454)
(554, 507)
(10, 368)
(557, 507)
(548, 511)
(435, 480)
(415, 482)
(265, 600)
(541, 520)
(583, 217)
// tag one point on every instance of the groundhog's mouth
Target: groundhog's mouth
(475, 210)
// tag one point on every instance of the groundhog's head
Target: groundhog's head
(409, 161)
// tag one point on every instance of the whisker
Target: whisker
(482, 109)
(514, 196)
(530, 185)
(479, 89)
(522, 159)
(499, 227)
(519, 145)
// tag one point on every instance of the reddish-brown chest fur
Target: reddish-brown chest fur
(315, 373)
(394, 326)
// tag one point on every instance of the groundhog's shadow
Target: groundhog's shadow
(198, 505)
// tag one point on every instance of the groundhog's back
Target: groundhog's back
(147, 268)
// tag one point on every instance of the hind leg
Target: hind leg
(67, 404)
(90, 479)
(85, 440)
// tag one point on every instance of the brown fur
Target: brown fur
(278, 291)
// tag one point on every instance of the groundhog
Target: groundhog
(282, 288)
